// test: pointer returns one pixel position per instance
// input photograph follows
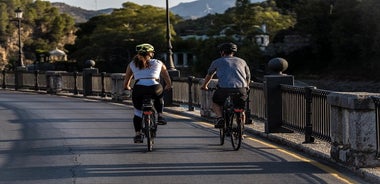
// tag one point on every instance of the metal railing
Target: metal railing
(304, 109)
(257, 103)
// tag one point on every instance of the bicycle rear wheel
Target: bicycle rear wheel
(236, 130)
(148, 131)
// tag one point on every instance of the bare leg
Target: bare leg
(243, 117)
(217, 110)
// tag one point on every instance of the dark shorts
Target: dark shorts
(139, 92)
(221, 94)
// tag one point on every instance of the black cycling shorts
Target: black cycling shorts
(221, 94)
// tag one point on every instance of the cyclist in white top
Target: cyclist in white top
(146, 72)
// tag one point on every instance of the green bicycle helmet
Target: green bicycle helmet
(144, 48)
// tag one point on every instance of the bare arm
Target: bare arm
(128, 78)
(206, 82)
(248, 73)
(166, 77)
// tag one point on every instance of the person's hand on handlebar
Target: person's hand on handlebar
(127, 88)
(203, 87)
(168, 87)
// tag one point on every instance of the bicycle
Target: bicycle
(233, 122)
(149, 121)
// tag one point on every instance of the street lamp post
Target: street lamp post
(19, 13)
(20, 64)
(168, 97)
(168, 37)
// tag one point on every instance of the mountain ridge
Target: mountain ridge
(201, 8)
(188, 10)
(80, 15)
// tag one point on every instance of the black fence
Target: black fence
(304, 108)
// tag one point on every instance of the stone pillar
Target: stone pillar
(168, 94)
(273, 98)
(87, 77)
(54, 81)
(272, 93)
(19, 81)
(117, 86)
(206, 99)
(353, 129)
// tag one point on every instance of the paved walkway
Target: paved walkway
(319, 149)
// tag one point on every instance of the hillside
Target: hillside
(80, 15)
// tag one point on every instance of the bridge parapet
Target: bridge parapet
(353, 128)
(54, 81)
(117, 86)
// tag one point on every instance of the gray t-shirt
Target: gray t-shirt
(232, 72)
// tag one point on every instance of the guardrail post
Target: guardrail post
(103, 93)
(309, 126)
(248, 117)
(190, 81)
(75, 83)
(36, 80)
(4, 85)
(376, 100)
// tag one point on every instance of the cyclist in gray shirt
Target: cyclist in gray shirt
(233, 76)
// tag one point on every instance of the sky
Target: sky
(103, 4)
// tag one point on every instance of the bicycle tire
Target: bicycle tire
(148, 132)
(236, 130)
(222, 135)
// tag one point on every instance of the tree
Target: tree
(240, 25)
(44, 27)
(288, 6)
(4, 19)
(355, 36)
(110, 39)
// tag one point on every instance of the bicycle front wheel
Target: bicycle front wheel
(236, 130)
(222, 135)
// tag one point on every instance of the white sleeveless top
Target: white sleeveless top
(147, 76)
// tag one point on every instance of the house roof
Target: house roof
(57, 52)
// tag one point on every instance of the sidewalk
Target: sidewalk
(319, 149)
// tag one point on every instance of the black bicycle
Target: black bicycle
(233, 121)
(149, 121)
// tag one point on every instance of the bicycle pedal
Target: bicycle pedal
(141, 140)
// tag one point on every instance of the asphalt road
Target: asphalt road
(60, 140)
